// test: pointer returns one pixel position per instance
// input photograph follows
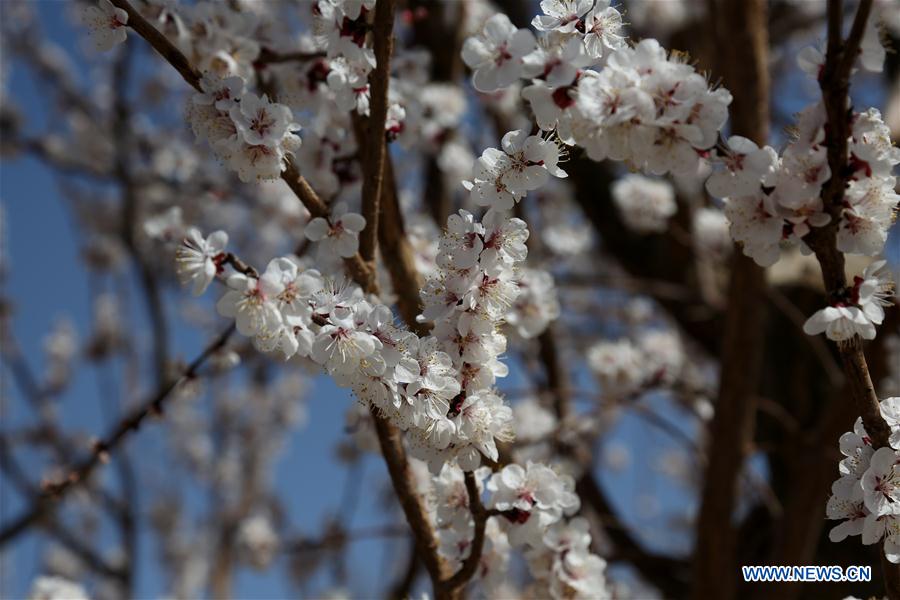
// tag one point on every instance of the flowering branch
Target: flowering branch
(389, 439)
(160, 43)
(834, 83)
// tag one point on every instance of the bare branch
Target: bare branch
(410, 501)
(79, 473)
(375, 146)
(741, 28)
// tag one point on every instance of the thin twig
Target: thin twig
(338, 538)
(101, 449)
(160, 43)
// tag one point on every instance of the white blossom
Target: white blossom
(496, 54)
(645, 204)
(199, 259)
(337, 235)
(106, 23)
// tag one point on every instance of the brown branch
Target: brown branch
(122, 137)
(75, 544)
(396, 251)
(54, 491)
(41, 401)
(398, 255)
(302, 189)
(338, 538)
(741, 28)
(362, 272)
(43, 151)
(454, 585)
(240, 266)
(835, 83)
(160, 43)
(375, 146)
(404, 485)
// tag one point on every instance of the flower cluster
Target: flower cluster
(473, 291)
(502, 177)
(623, 367)
(649, 109)
(771, 200)
(870, 201)
(532, 502)
(645, 204)
(439, 388)
(529, 508)
(866, 497)
(536, 305)
(574, 34)
(342, 29)
(563, 565)
(467, 299)
(250, 133)
(857, 309)
(531, 499)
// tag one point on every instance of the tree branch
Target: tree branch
(375, 145)
(458, 581)
(404, 485)
(835, 83)
(79, 473)
(741, 28)
(160, 43)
